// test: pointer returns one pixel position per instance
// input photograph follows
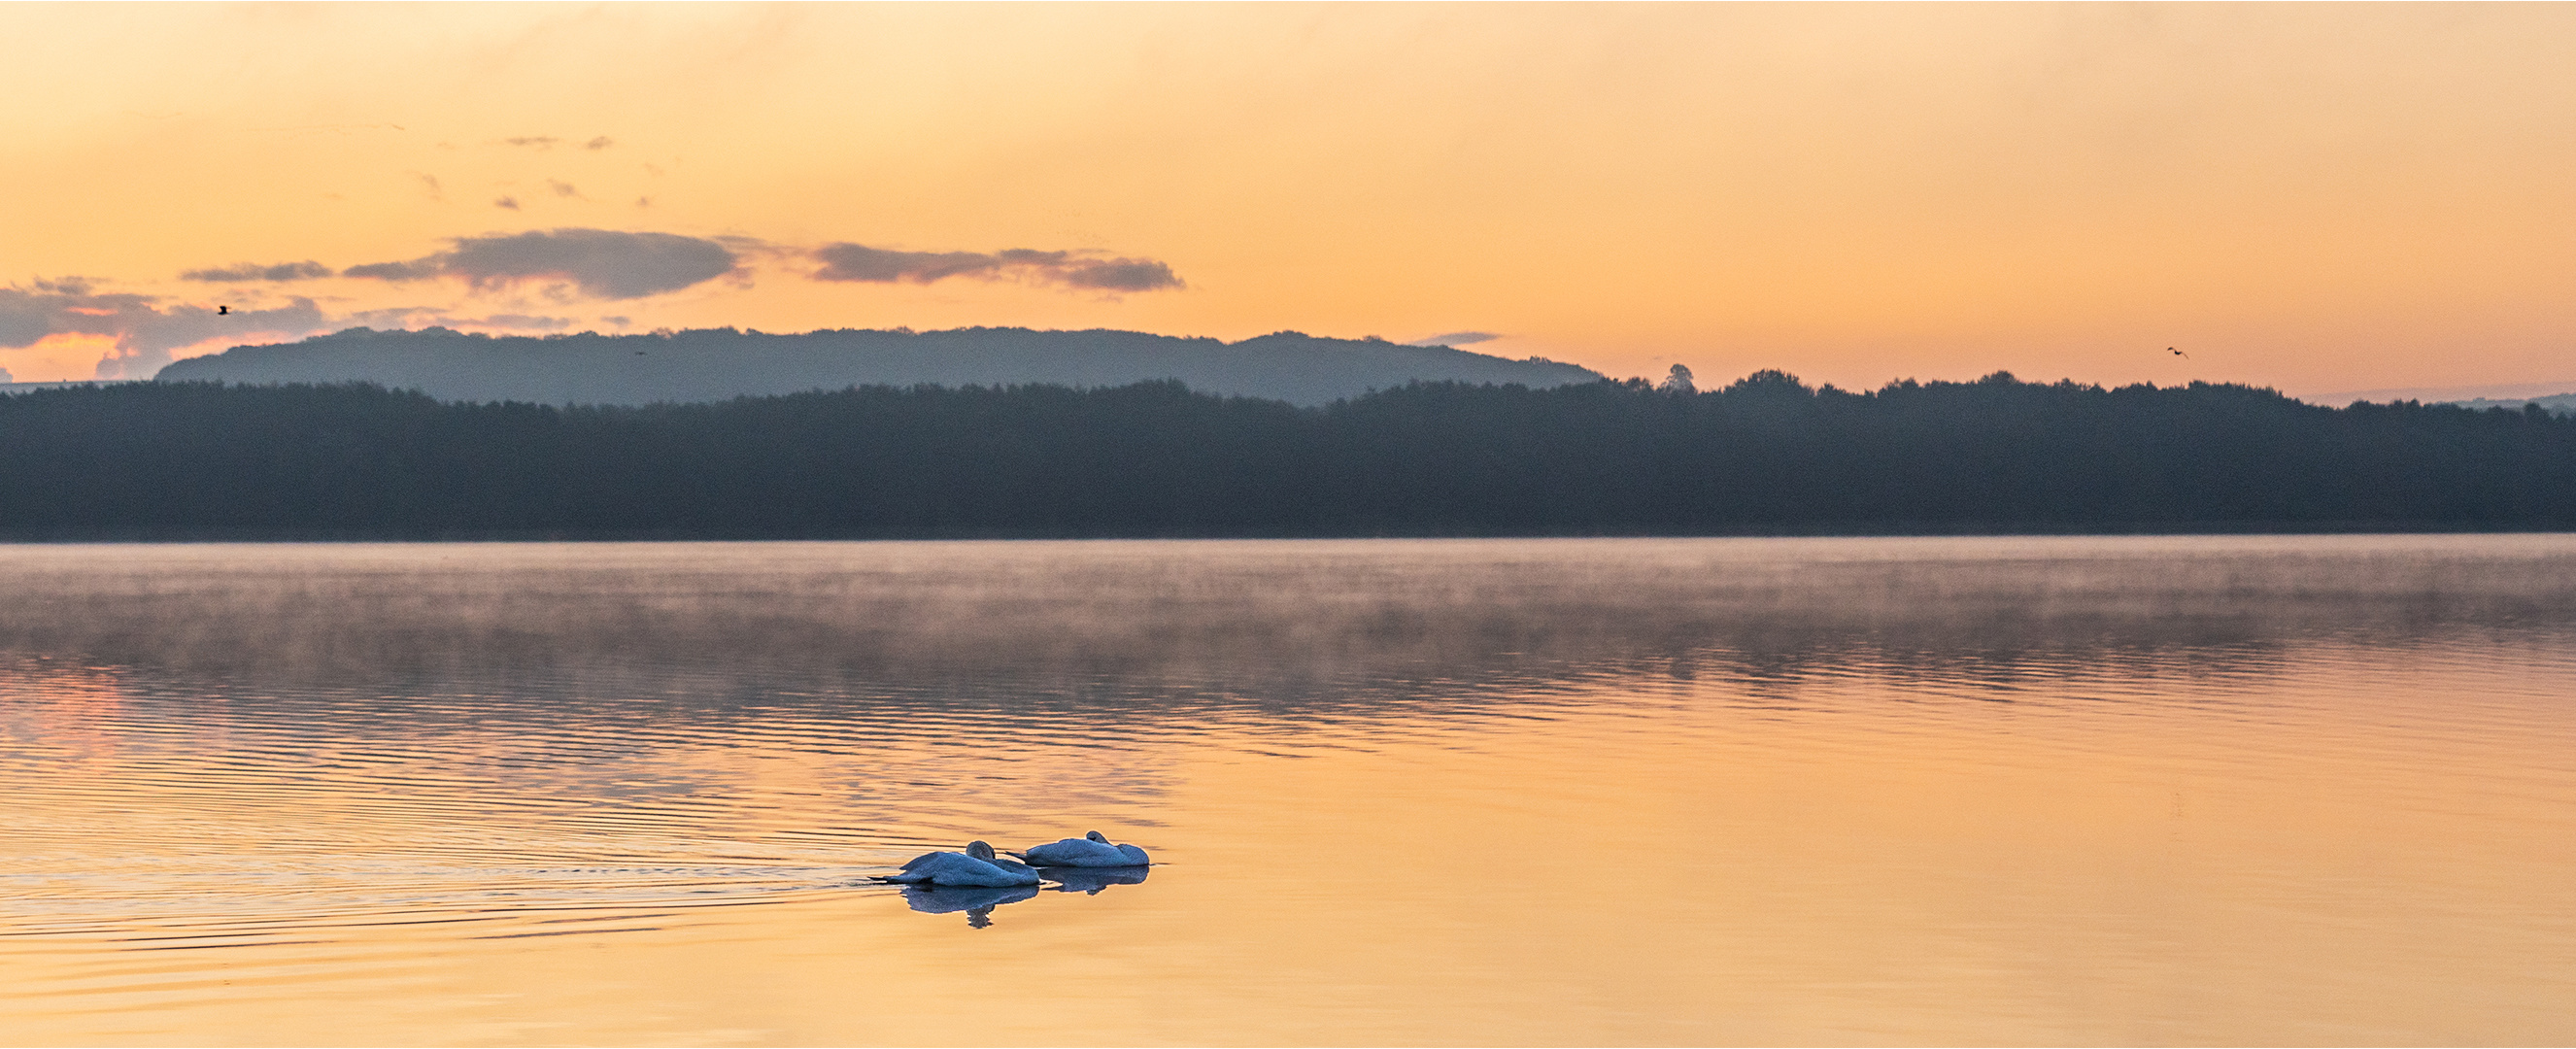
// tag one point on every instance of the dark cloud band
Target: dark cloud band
(251, 271)
(603, 264)
(1456, 338)
(1071, 269)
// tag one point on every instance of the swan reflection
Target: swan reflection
(977, 901)
(1090, 880)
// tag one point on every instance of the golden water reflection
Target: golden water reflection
(2110, 790)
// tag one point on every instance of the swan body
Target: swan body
(1090, 850)
(977, 866)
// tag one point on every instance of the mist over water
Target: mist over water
(2015, 790)
(1262, 615)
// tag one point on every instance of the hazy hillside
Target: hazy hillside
(2555, 404)
(722, 363)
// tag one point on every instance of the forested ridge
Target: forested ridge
(1764, 455)
(719, 364)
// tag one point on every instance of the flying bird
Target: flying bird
(2177, 353)
(220, 310)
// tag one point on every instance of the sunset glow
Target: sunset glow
(67, 355)
(2324, 199)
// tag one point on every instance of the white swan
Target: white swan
(1090, 850)
(976, 866)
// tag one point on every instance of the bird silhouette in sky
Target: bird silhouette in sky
(2177, 353)
(220, 310)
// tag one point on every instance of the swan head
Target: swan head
(1093, 835)
(979, 850)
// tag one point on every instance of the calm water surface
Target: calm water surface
(2136, 790)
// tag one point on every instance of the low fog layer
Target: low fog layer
(721, 363)
(2560, 404)
(1303, 623)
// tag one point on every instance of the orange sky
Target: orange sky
(2320, 198)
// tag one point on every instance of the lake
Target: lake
(2281, 789)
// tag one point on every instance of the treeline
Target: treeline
(1765, 455)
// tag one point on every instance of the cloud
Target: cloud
(545, 142)
(603, 264)
(562, 189)
(145, 330)
(512, 320)
(390, 316)
(1456, 338)
(862, 263)
(5, 376)
(248, 271)
(25, 318)
(396, 318)
(417, 269)
(1071, 269)
(511, 203)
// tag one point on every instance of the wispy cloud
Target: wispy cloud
(1456, 338)
(1082, 270)
(513, 321)
(250, 271)
(432, 316)
(511, 203)
(417, 269)
(544, 142)
(601, 264)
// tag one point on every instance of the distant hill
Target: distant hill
(2555, 404)
(722, 363)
